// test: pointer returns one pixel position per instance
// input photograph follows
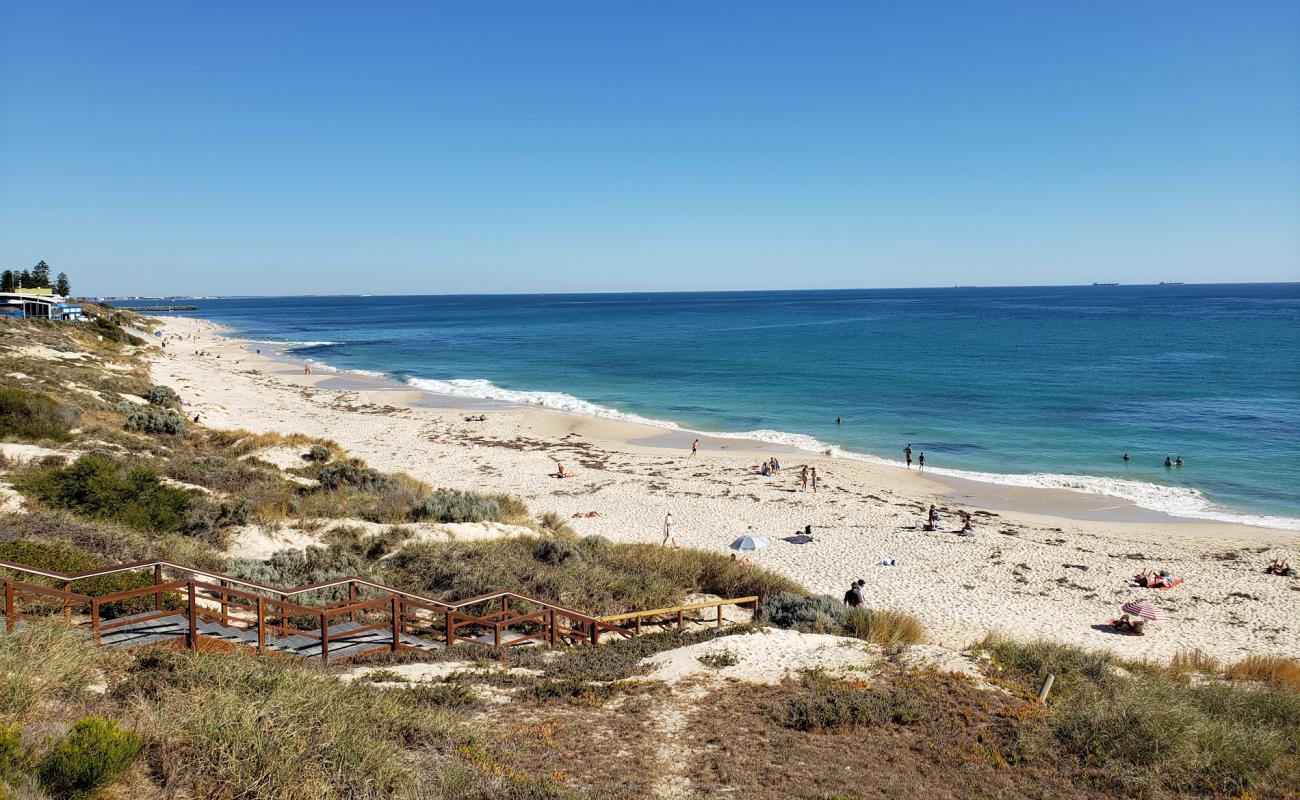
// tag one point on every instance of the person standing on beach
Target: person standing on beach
(670, 532)
(814, 479)
(803, 476)
(695, 448)
(907, 454)
(920, 461)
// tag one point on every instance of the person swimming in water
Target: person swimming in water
(1127, 457)
(1178, 462)
(1168, 462)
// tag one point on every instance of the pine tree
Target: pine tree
(25, 280)
(61, 285)
(41, 274)
(8, 281)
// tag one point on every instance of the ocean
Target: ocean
(1035, 386)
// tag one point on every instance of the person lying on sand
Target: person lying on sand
(1132, 626)
(559, 471)
(740, 559)
(1280, 567)
(1155, 579)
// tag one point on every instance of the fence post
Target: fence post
(10, 615)
(1047, 688)
(261, 625)
(595, 633)
(505, 606)
(324, 639)
(451, 630)
(94, 620)
(352, 599)
(496, 634)
(157, 579)
(225, 609)
(192, 635)
(681, 619)
(397, 623)
(284, 617)
(552, 627)
(637, 627)
(67, 602)
(719, 615)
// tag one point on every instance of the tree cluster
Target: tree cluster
(37, 277)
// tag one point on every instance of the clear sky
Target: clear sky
(276, 147)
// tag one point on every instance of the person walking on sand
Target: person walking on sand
(920, 461)
(814, 479)
(695, 448)
(306, 368)
(907, 455)
(670, 531)
(803, 476)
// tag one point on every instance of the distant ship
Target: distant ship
(1171, 283)
(1105, 284)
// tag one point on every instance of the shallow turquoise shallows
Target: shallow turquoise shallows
(1034, 386)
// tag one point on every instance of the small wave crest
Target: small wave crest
(479, 389)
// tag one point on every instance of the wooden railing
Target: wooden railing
(499, 619)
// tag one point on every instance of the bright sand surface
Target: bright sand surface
(1043, 563)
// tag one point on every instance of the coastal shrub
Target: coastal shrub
(884, 627)
(35, 416)
(113, 332)
(1274, 669)
(155, 420)
(616, 658)
(569, 690)
(105, 540)
(92, 756)
(99, 487)
(820, 702)
(223, 474)
(450, 505)
(607, 578)
(209, 522)
(554, 550)
(817, 613)
(317, 453)
(1141, 731)
(349, 474)
(163, 396)
(289, 568)
(720, 659)
(552, 522)
(11, 750)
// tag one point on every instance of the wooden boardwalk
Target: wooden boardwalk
(309, 622)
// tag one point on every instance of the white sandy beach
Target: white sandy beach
(1058, 575)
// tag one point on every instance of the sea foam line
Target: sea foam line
(1177, 501)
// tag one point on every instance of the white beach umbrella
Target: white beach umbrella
(1141, 608)
(749, 542)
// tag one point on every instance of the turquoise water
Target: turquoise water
(1032, 386)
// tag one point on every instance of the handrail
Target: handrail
(278, 605)
(655, 612)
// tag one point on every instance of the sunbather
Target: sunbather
(1280, 567)
(1126, 624)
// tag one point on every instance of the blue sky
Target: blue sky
(267, 148)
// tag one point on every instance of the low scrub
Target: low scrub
(46, 661)
(451, 505)
(94, 753)
(819, 702)
(591, 574)
(351, 475)
(34, 416)
(148, 419)
(98, 487)
(824, 614)
(1140, 730)
(61, 557)
(163, 397)
(1276, 670)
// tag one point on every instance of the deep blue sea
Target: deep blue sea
(1033, 386)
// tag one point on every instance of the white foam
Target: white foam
(1173, 500)
(480, 389)
(288, 346)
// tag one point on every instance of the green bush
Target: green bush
(817, 613)
(317, 453)
(1143, 730)
(572, 691)
(98, 487)
(92, 756)
(163, 396)
(155, 420)
(449, 505)
(113, 332)
(34, 416)
(820, 702)
(553, 550)
(65, 558)
(11, 751)
(351, 475)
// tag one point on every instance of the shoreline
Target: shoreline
(1047, 570)
(1012, 492)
